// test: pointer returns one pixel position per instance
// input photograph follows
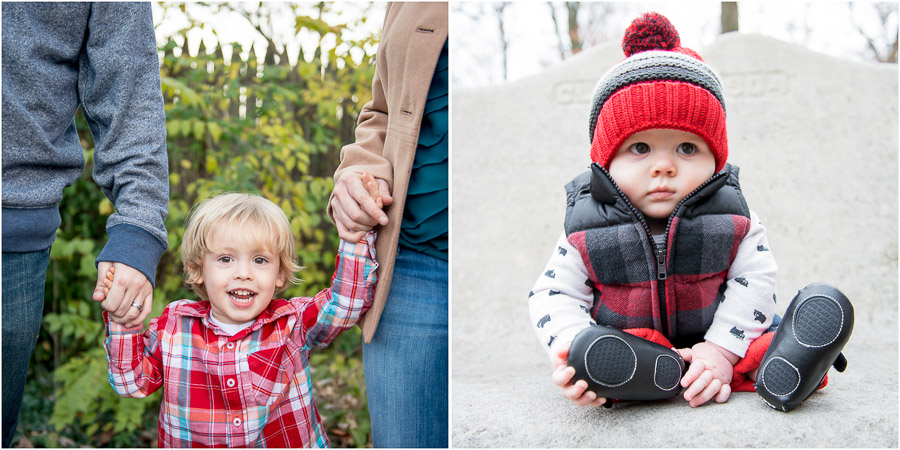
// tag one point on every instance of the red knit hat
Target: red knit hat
(660, 84)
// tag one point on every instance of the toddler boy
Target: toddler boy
(659, 242)
(235, 365)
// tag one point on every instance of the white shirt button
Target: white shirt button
(236, 422)
(229, 345)
(230, 382)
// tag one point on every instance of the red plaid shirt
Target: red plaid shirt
(251, 389)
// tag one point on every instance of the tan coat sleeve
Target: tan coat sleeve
(388, 127)
(366, 153)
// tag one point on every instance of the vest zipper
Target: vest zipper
(660, 251)
(661, 274)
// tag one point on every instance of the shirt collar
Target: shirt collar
(200, 309)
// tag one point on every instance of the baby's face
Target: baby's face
(657, 168)
(239, 276)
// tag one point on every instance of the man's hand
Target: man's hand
(118, 287)
(355, 205)
(577, 392)
(709, 376)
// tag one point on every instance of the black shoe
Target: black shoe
(618, 365)
(816, 325)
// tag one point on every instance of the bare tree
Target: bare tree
(729, 17)
(504, 40)
(471, 50)
(883, 44)
(572, 29)
(572, 9)
(559, 41)
(586, 24)
(599, 16)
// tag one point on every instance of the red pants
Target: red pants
(740, 382)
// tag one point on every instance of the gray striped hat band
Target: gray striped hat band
(653, 66)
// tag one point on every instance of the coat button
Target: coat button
(236, 422)
(230, 382)
(229, 345)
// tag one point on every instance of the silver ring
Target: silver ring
(137, 305)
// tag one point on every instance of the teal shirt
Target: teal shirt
(425, 219)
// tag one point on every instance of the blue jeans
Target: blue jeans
(406, 362)
(24, 275)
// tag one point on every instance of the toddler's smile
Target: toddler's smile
(240, 276)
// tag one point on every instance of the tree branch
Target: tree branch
(559, 42)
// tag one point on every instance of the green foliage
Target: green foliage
(271, 129)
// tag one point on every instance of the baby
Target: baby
(662, 262)
(235, 365)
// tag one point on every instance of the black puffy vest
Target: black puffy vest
(676, 288)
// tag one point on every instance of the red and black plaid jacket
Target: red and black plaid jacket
(675, 289)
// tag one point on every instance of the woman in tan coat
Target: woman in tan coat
(402, 138)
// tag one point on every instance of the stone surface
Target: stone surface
(816, 140)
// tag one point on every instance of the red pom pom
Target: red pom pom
(651, 31)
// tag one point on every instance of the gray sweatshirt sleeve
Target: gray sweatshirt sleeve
(119, 88)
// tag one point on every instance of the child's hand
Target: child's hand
(357, 204)
(709, 376)
(372, 186)
(105, 284)
(577, 392)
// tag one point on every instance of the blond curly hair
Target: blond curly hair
(261, 221)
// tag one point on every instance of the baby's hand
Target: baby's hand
(709, 376)
(577, 392)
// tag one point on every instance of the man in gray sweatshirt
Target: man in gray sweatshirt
(58, 57)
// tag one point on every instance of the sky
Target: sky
(824, 26)
(233, 27)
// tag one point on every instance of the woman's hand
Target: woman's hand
(355, 205)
